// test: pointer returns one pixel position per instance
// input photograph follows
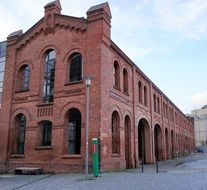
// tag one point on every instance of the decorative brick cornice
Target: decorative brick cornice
(47, 31)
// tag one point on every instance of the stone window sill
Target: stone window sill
(126, 93)
(43, 148)
(17, 156)
(73, 83)
(45, 104)
(115, 155)
(72, 156)
(21, 91)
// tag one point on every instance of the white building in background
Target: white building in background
(200, 126)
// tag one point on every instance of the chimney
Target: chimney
(12, 38)
(51, 9)
(100, 15)
(98, 12)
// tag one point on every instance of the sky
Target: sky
(166, 39)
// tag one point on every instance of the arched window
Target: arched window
(172, 115)
(140, 92)
(116, 72)
(115, 132)
(163, 107)
(45, 133)
(20, 133)
(24, 74)
(75, 67)
(158, 105)
(74, 131)
(49, 77)
(166, 108)
(154, 100)
(145, 96)
(125, 81)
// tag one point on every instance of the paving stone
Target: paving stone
(191, 175)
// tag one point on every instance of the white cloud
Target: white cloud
(199, 99)
(134, 52)
(156, 25)
(136, 21)
(21, 14)
(190, 103)
(8, 23)
(186, 18)
(78, 8)
(30, 9)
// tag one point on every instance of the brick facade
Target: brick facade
(145, 122)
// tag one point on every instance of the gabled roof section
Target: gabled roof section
(53, 20)
(60, 22)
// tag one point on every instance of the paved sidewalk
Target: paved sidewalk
(175, 164)
(188, 173)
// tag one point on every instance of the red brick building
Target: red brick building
(42, 117)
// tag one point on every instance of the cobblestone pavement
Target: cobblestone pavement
(189, 173)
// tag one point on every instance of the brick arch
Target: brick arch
(143, 116)
(25, 62)
(46, 118)
(69, 53)
(116, 108)
(115, 58)
(139, 80)
(127, 112)
(21, 111)
(44, 50)
(42, 120)
(157, 123)
(124, 66)
(75, 104)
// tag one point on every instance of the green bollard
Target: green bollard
(95, 157)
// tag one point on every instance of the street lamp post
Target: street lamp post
(87, 83)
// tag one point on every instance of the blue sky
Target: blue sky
(167, 39)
